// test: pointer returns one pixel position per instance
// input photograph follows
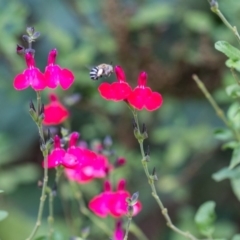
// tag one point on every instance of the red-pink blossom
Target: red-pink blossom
(54, 112)
(30, 76)
(55, 75)
(116, 91)
(59, 156)
(92, 166)
(143, 96)
(113, 203)
(118, 232)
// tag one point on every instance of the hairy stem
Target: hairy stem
(217, 11)
(217, 109)
(127, 228)
(45, 178)
(50, 217)
(153, 188)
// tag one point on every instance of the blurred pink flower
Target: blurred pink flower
(54, 112)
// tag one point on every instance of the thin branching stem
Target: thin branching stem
(45, 178)
(153, 188)
(127, 228)
(50, 217)
(217, 11)
(217, 109)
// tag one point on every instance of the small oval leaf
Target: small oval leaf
(205, 218)
(230, 51)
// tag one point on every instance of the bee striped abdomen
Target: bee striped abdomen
(100, 71)
(94, 73)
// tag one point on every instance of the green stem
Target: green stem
(217, 109)
(45, 178)
(84, 210)
(50, 217)
(127, 228)
(217, 11)
(235, 76)
(153, 188)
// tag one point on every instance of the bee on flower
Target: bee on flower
(100, 71)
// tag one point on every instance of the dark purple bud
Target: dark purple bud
(20, 49)
(134, 124)
(31, 106)
(120, 162)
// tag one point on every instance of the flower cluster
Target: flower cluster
(113, 202)
(81, 164)
(53, 76)
(139, 98)
(91, 167)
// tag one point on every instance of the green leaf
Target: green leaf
(3, 215)
(236, 237)
(224, 173)
(1, 191)
(223, 134)
(235, 182)
(205, 218)
(233, 90)
(233, 114)
(235, 160)
(230, 145)
(230, 51)
(233, 64)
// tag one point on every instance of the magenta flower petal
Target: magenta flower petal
(120, 90)
(100, 204)
(52, 75)
(69, 161)
(106, 91)
(138, 97)
(154, 101)
(118, 232)
(120, 74)
(117, 204)
(36, 78)
(66, 79)
(20, 82)
(55, 75)
(55, 113)
(55, 158)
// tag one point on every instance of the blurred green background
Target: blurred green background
(170, 40)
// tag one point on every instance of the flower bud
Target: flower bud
(30, 31)
(36, 35)
(20, 49)
(26, 38)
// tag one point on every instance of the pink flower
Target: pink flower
(30, 76)
(54, 112)
(143, 97)
(116, 91)
(59, 156)
(118, 232)
(55, 75)
(113, 203)
(92, 166)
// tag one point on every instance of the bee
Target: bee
(100, 71)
